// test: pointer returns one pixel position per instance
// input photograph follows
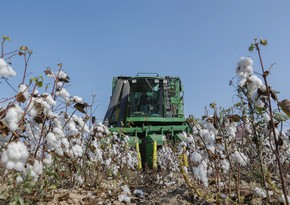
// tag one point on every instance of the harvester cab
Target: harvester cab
(149, 110)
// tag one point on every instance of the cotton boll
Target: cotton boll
(195, 157)
(64, 94)
(263, 88)
(244, 67)
(13, 126)
(59, 151)
(211, 128)
(48, 99)
(72, 126)
(17, 151)
(62, 76)
(181, 147)
(58, 132)
(57, 123)
(5, 69)
(266, 117)
(24, 90)
(77, 99)
(257, 100)
(19, 179)
(10, 165)
(208, 137)
(77, 151)
(37, 167)
(33, 112)
(239, 158)
(59, 85)
(106, 130)
(259, 103)
(231, 131)
(35, 93)
(211, 147)
(14, 157)
(124, 198)
(108, 162)
(259, 192)
(80, 124)
(100, 129)
(19, 166)
(126, 189)
(13, 116)
(254, 83)
(200, 173)
(53, 143)
(65, 143)
(248, 126)
(225, 166)
(282, 198)
(47, 159)
(242, 82)
(99, 155)
(79, 179)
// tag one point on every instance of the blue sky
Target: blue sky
(199, 41)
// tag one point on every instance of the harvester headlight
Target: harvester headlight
(134, 81)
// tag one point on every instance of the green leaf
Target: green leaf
(6, 38)
(23, 48)
(2, 196)
(263, 42)
(38, 81)
(21, 201)
(212, 105)
(252, 47)
(280, 116)
(33, 79)
(39, 84)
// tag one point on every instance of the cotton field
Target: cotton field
(53, 152)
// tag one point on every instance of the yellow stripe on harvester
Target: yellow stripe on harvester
(154, 154)
(139, 156)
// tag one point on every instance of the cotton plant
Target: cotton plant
(254, 85)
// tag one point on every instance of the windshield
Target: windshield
(146, 98)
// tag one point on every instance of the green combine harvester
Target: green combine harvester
(149, 109)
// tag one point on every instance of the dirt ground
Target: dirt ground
(175, 193)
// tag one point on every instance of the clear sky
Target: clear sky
(200, 41)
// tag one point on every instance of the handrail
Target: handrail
(157, 75)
